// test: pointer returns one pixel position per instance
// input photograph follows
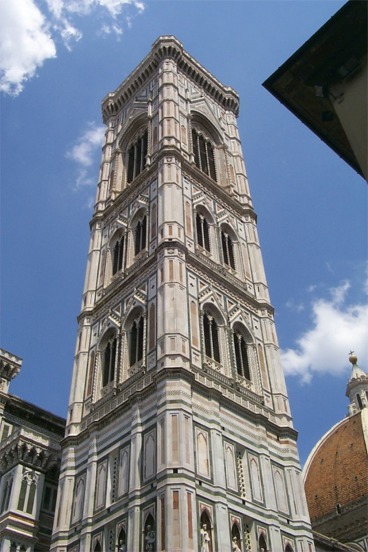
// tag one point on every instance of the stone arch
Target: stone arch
(107, 360)
(229, 246)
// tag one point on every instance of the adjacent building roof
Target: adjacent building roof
(332, 54)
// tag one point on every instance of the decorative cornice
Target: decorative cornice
(168, 47)
(30, 449)
(10, 365)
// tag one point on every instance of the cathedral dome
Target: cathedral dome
(335, 474)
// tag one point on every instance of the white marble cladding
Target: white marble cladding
(178, 414)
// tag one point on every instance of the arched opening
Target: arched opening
(289, 548)
(211, 337)
(140, 235)
(149, 534)
(227, 245)
(359, 401)
(241, 344)
(109, 361)
(118, 254)
(97, 547)
(136, 339)
(202, 228)
(235, 538)
(204, 156)
(262, 543)
(206, 532)
(137, 154)
(122, 541)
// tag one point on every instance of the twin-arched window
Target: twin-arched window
(203, 236)
(136, 340)
(241, 354)
(140, 235)
(109, 360)
(119, 244)
(204, 156)
(137, 154)
(227, 245)
(118, 254)
(211, 337)
(132, 348)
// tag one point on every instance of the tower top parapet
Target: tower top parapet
(169, 47)
(10, 366)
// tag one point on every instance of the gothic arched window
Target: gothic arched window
(109, 359)
(97, 547)
(137, 153)
(206, 531)
(136, 336)
(203, 236)
(241, 355)
(235, 535)
(204, 156)
(359, 401)
(6, 494)
(77, 510)
(122, 540)
(227, 249)
(140, 235)
(149, 533)
(211, 338)
(262, 543)
(118, 255)
(27, 492)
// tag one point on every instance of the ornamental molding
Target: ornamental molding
(40, 455)
(197, 264)
(168, 47)
(214, 191)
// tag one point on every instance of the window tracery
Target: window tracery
(204, 156)
(140, 235)
(241, 355)
(118, 254)
(27, 491)
(211, 338)
(227, 245)
(137, 156)
(203, 236)
(109, 361)
(136, 340)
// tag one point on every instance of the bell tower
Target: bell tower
(179, 434)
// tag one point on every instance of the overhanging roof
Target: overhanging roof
(318, 63)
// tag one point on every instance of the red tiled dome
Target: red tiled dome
(336, 473)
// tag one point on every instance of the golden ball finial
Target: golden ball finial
(353, 358)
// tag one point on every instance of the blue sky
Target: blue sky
(58, 59)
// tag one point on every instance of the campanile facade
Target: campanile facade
(179, 434)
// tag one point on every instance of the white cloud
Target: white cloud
(31, 29)
(337, 327)
(85, 153)
(25, 43)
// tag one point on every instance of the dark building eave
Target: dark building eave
(318, 63)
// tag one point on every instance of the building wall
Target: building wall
(192, 438)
